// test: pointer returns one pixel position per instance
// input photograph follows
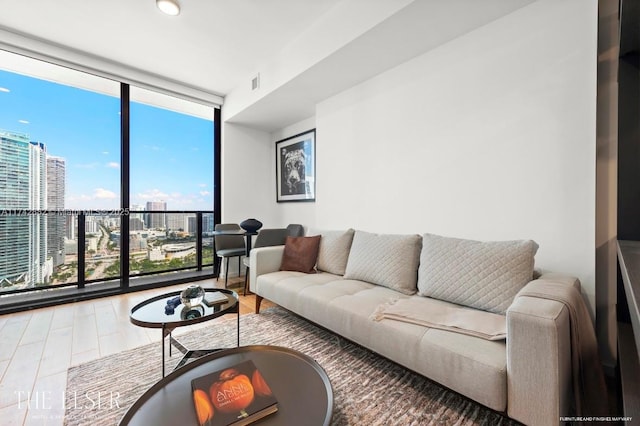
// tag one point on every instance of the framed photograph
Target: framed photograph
(296, 168)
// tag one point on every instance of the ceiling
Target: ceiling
(210, 46)
(215, 46)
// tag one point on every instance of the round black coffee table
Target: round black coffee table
(151, 313)
(299, 384)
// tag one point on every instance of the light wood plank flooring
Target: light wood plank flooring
(37, 347)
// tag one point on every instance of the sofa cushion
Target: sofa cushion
(334, 251)
(481, 275)
(300, 254)
(389, 260)
(466, 364)
(284, 287)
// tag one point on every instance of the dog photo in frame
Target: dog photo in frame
(296, 167)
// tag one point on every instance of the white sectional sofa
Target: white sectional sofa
(363, 275)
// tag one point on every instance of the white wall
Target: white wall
(490, 136)
(246, 190)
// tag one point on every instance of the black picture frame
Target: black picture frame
(296, 168)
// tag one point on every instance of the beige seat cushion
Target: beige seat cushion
(472, 366)
(283, 287)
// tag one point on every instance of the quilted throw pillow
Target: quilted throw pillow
(481, 275)
(334, 251)
(388, 260)
(300, 254)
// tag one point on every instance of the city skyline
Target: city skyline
(34, 246)
(171, 154)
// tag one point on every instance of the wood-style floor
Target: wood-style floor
(37, 347)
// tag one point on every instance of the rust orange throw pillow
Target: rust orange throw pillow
(300, 254)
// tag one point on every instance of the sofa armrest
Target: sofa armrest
(539, 358)
(262, 261)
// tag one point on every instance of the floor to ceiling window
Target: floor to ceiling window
(171, 154)
(60, 153)
(61, 179)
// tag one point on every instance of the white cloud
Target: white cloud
(153, 194)
(81, 197)
(202, 185)
(104, 193)
(4, 89)
(23, 121)
(174, 200)
(113, 165)
(105, 152)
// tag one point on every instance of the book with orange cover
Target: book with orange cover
(237, 396)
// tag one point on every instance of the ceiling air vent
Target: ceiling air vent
(255, 82)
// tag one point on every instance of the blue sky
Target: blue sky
(171, 153)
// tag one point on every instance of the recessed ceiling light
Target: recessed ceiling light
(170, 7)
(4, 89)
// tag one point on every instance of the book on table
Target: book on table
(213, 298)
(237, 396)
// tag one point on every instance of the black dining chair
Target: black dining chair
(295, 230)
(228, 246)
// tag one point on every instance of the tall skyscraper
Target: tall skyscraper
(56, 167)
(192, 224)
(136, 220)
(177, 221)
(23, 235)
(156, 220)
(207, 223)
(71, 227)
(91, 225)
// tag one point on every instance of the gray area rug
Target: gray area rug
(368, 389)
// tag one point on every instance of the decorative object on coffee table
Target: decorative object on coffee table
(192, 296)
(251, 225)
